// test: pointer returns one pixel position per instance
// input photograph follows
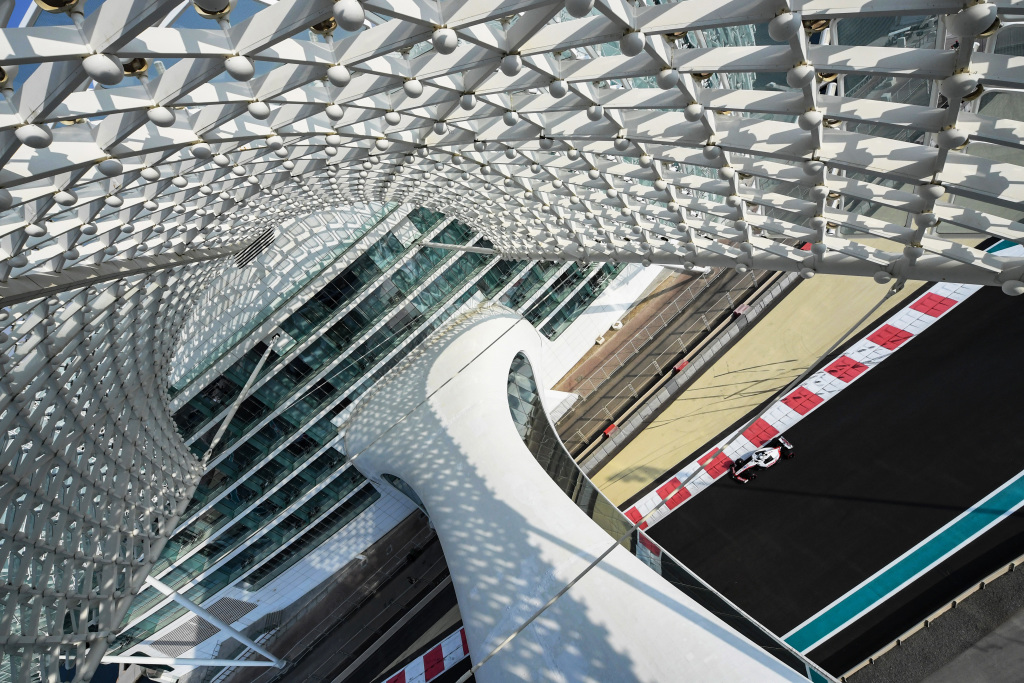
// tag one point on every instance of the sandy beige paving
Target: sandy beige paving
(790, 338)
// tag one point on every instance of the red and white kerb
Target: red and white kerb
(814, 391)
(436, 661)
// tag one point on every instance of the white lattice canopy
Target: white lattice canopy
(143, 141)
(693, 132)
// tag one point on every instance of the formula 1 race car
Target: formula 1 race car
(745, 468)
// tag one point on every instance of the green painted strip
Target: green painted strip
(816, 677)
(911, 565)
(916, 561)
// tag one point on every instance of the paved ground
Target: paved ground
(894, 457)
(708, 306)
(325, 641)
(981, 641)
(972, 563)
(781, 346)
(996, 658)
(432, 623)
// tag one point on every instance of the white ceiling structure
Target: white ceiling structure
(137, 136)
(589, 129)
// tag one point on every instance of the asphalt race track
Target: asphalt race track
(894, 457)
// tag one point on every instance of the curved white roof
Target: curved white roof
(513, 540)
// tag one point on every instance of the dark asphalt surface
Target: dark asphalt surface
(999, 546)
(899, 453)
(377, 667)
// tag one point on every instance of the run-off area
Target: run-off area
(897, 455)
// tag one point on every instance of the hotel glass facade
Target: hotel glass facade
(276, 485)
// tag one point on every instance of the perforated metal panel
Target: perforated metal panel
(196, 630)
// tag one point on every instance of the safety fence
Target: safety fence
(344, 651)
(538, 434)
(653, 405)
(657, 363)
(644, 335)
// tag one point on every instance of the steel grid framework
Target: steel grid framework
(589, 130)
(93, 475)
(519, 118)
